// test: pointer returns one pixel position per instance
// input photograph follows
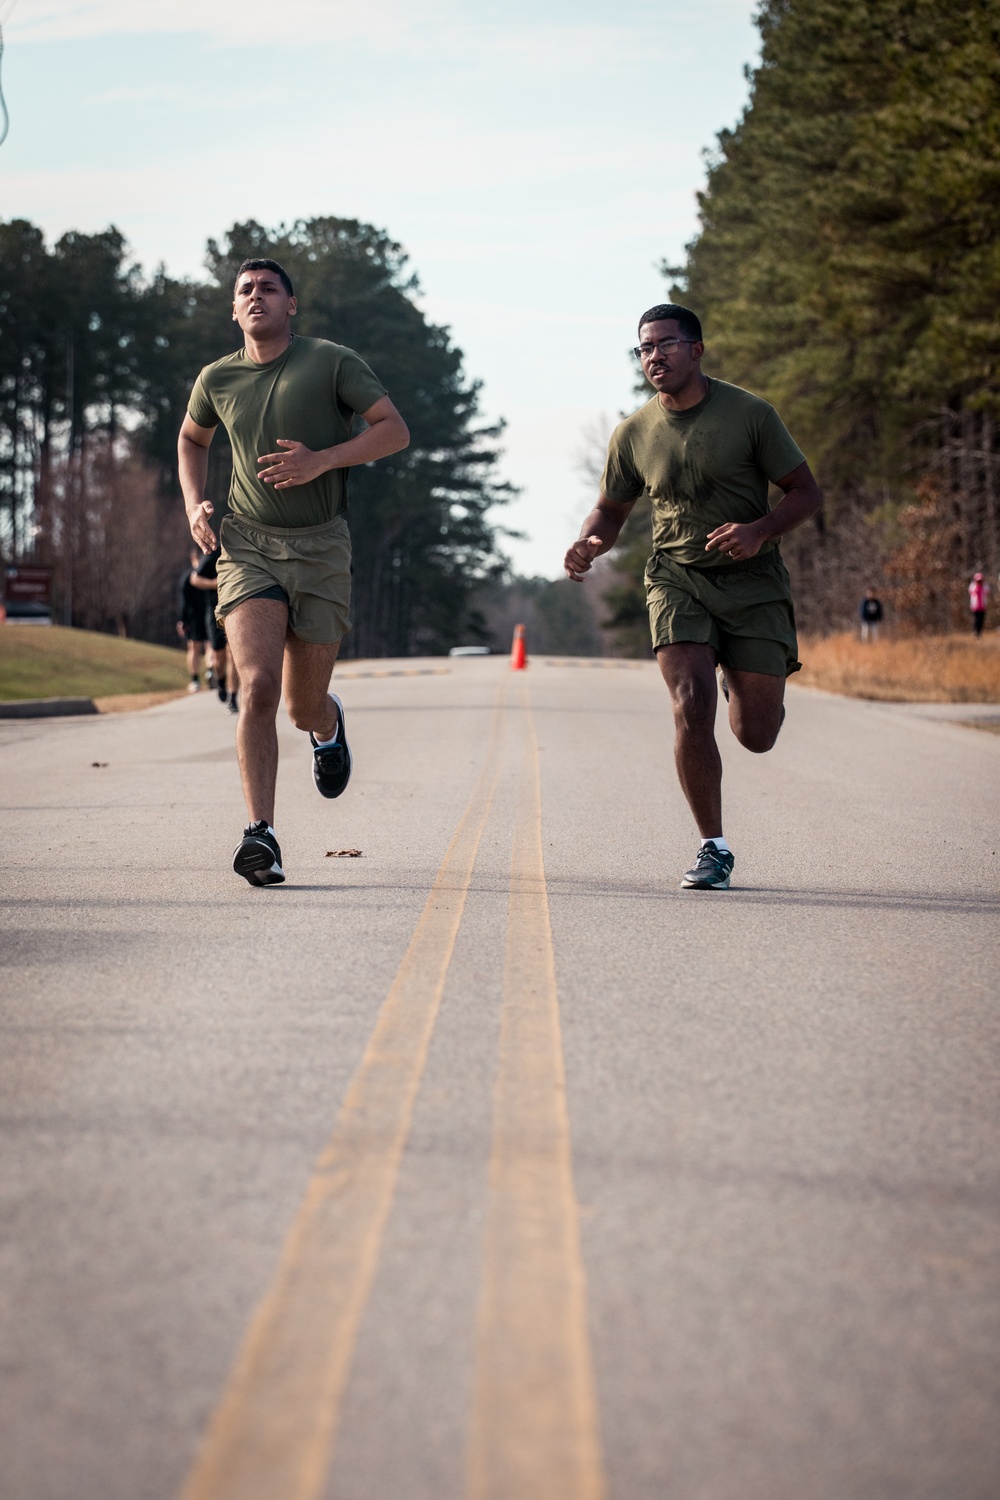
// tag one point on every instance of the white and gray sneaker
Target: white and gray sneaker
(258, 858)
(710, 871)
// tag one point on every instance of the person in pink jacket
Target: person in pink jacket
(979, 593)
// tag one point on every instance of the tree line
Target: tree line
(848, 269)
(97, 360)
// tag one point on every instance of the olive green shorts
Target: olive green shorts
(742, 610)
(309, 567)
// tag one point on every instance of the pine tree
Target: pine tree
(848, 263)
(90, 351)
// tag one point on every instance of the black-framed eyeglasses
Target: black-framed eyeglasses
(664, 346)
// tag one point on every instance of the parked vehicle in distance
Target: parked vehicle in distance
(17, 613)
(469, 651)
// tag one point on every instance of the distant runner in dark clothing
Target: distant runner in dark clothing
(870, 614)
(227, 681)
(192, 624)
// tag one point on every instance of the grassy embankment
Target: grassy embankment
(918, 669)
(52, 662)
(48, 661)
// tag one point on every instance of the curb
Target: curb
(47, 708)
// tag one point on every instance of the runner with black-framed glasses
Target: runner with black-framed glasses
(718, 594)
(661, 346)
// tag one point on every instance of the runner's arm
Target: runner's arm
(192, 466)
(598, 534)
(385, 433)
(802, 499)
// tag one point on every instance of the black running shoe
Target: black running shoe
(723, 684)
(332, 763)
(711, 870)
(258, 858)
(220, 688)
(234, 704)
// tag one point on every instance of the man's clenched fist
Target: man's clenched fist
(580, 556)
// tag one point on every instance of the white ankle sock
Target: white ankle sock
(325, 744)
(719, 843)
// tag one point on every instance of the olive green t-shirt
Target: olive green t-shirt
(701, 467)
(309, 394)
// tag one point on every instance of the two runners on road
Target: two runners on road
(717, 591)
(284, 571)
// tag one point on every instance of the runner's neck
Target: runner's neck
(691, 395)
(266, 351)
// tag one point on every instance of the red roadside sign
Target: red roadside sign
(27, 584)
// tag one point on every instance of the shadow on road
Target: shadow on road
(777, 896)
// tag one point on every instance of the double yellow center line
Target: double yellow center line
(533, 1427)
(534, 1421)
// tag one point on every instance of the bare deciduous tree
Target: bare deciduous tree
(113, 542)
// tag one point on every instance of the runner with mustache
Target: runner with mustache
(716, 587)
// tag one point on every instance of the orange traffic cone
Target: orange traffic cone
(518, 650)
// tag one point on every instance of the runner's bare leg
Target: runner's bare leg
(256, 632)
(756, 708)
(194, 650)
(688, 669)
(308, 669)
(756, 712)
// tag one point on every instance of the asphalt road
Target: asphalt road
(489, 1165)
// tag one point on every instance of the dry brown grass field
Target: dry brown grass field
(914, 669)
(48, 661)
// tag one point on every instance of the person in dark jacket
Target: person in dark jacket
(870, 614)
(192, 625)
(206, 577)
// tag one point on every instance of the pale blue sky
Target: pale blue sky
(536, 159)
